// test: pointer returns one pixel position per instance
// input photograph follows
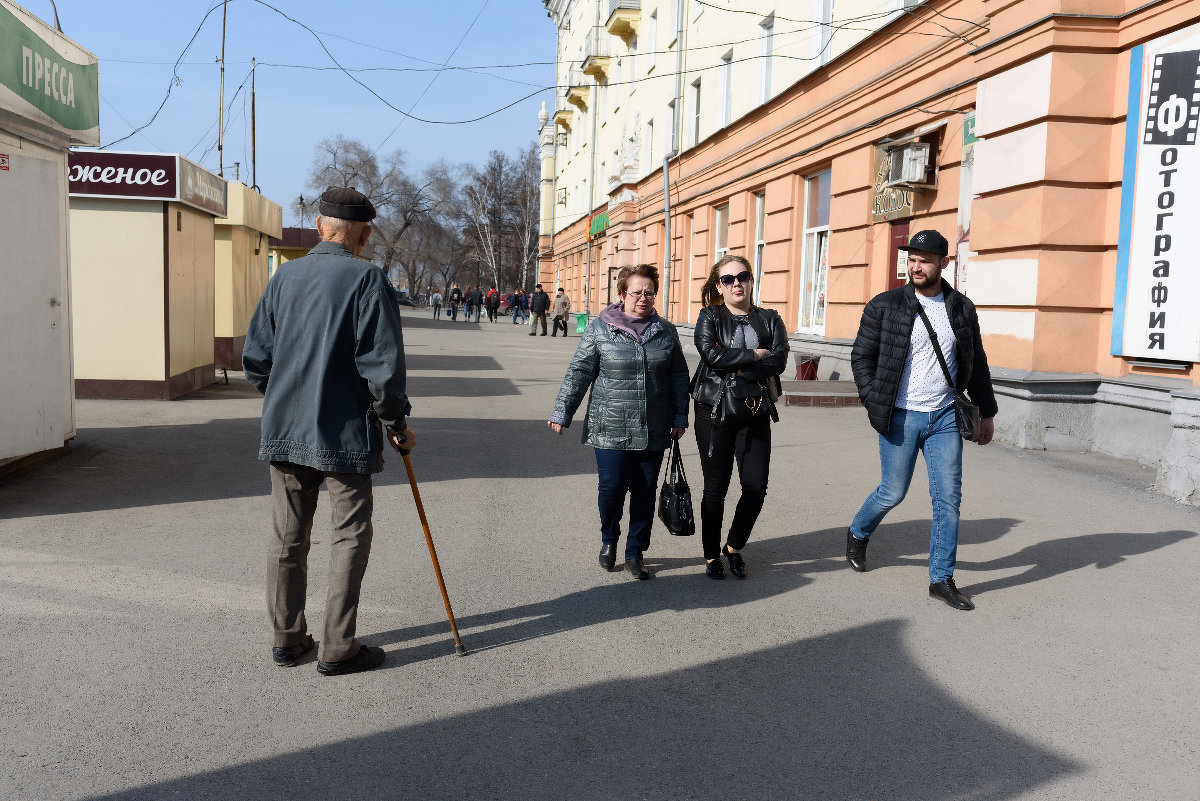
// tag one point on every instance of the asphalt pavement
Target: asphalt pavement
(138, 665)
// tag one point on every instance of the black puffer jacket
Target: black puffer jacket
(714, 331)
(882, 345)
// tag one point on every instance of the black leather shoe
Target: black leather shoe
(715, 569)
(856, 552)
(737, 565)
(367, 658)
(289, 655)
(608, 557)
(636, 571)
(950, 594)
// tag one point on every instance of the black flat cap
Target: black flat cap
(929, 242)
(346, 203)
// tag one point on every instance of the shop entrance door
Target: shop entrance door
(897, 261)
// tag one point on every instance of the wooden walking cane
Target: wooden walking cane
(459, 648)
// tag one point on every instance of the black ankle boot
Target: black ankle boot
(856, 552)
(737, 565)
(608, 557)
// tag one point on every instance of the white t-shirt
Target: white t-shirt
(923, 386)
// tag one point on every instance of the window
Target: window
(616, 84)
(726, 77)
(814, 272)
(651, 38)
(823, 43)
(674, 126)
(721, 233)
(633, 44)
(650, 144)
(695, 112)
(766, 46)
(760, 219)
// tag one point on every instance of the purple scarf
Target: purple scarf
(636, 327)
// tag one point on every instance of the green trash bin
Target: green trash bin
(580, 323)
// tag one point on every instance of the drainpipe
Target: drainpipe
(672, 153)
(587, 292)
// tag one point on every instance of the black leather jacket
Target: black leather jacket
(714, 331)
(882, 345)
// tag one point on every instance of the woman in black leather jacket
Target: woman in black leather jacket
(742, 347)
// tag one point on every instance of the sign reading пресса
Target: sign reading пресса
(47, 79)
(1156, 306)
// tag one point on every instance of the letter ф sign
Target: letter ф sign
(1156, 305)
(145, 176)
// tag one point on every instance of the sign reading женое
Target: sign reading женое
(145, 176)
(1156, 306)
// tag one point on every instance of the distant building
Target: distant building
(815, 138)
(291, 244)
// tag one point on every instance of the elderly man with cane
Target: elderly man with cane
(325, 348)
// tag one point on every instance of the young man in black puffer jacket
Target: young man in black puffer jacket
(909, 402)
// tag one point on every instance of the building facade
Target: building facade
(1049, 141)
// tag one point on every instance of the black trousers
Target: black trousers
(748, 443)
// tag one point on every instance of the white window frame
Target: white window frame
(650, 144)
(674, 129)
(814, 268)
(720, 232)
(695, 127)
(823, 43)
(760, 242)
(726, 109)
(652, 38)
(766, 47)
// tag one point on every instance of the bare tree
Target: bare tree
(526, 208)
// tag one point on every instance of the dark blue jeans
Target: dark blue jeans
(634, 473)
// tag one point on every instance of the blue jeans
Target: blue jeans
(936, 435)
(634, 473)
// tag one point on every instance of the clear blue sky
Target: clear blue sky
(138, 41)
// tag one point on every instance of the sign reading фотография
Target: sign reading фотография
(1156, 306)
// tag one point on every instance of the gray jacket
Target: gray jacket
(325, 348)
(639, 391)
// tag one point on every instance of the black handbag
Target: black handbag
(966, 414)
(675, 499)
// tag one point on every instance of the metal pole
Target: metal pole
(253, 131)
(221, 107)
(666, 238)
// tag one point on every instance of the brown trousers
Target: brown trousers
(294, 491)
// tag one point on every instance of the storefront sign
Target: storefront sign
(124, 175)
(145, 176)
(200, 188)
(46, 78)
(598, 225)
(1156, 306)
(888, 203)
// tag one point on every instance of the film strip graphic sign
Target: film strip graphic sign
(1173, 110)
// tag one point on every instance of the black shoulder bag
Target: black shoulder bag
(675, 499)
(966, 414)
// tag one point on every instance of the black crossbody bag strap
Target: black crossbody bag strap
(937, 347)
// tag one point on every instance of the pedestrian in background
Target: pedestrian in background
(455, 301)
(743, 348)
(901, 381)
(519, 304)
(468, 304)
(437, 303)
(492, 301)
(325, 348)
(632, 361)
(562, 310)
(539, 305)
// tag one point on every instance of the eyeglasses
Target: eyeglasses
(744, 277)
(648, 294)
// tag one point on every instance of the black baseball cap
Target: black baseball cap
(928, 241)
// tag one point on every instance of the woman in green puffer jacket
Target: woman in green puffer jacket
(632, 361)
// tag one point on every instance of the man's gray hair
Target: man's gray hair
(350, 229)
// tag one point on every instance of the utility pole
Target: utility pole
(253, 160)
(221, 108)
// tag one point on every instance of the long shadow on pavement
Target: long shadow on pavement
(848, 715)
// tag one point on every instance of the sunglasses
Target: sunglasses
(744, 277)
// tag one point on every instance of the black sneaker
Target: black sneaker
(367, 658)
(289, 655)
